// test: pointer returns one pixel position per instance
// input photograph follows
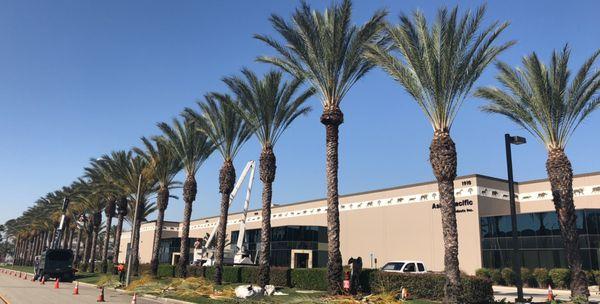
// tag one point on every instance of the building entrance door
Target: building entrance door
(301, 258)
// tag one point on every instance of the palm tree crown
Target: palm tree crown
(220, 121)
(439, 63)
(162, 160)
(192, 147)
(324, 48)
(541, 99)
(268, 104)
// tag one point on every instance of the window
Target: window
(540, 240)
(410, 267)
(393, 266)
(421, 267)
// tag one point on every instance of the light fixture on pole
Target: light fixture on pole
(516, 257)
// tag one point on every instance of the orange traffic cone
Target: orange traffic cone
(56, 284)
(43, 281)
(134, 299)
(76, 289)
(101, 296)
(550, 294)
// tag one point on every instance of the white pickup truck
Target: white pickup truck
(405, 267)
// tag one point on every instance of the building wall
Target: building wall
(401, 223)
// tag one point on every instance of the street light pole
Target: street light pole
(516, 261)
(133, 233)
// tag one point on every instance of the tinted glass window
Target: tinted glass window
(393, 266)
(421, 267)
(410, 267)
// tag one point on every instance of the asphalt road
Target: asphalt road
(15, 290)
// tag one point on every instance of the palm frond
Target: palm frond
(269, 105)
(438, 64)
(540, 98)
(325, 49)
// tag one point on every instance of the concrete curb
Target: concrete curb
(148, 297)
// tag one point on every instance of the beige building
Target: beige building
(404, 223)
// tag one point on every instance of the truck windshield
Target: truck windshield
(58, 255)
(393, 266)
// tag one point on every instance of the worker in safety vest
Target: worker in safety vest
(121, 271)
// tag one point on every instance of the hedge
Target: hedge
(431, 286)
(424, 286)
(538, 277)
(309, 278)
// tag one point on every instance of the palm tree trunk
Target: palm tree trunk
(106, 242)
(77, 247)
(117, 246)
(17, 250)
(162, 201)
(87, 247)
(332, 119)
(65, 236)
(71, 237)
(560, 174)
(135, 244)
(189, 195)
(226, 184)
(268, 167)
(92, 267)
(442, 155)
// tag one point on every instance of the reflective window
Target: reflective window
(540, 240)
(393, 266)
(410, 267)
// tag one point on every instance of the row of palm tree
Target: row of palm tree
(437, 63)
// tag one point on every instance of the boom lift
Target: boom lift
(238, 254)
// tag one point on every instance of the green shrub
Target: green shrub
(280, 276)
(527, 277)
(209, 272)
(194, 271)
(596, 276)
(484, 273)
(496, 276)
(560, 277)
(541, 277)
(249, 275)
(430, 286)
(591, 278)
(508, 276)
(367, 279)
(166, 270)
(309, 278)
(231, 274)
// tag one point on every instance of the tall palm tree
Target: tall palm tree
(192, 149)
(122, 210)
(327, 51)
(547, 102)
(130, 171)
(438, 65)
(224, 126)
(269, 105)
(164, 164)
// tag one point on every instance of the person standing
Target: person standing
(121, 271)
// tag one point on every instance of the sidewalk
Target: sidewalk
(540, 294)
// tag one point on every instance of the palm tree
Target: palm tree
(269, 105)
(224, 126)
(438, 66)
(327, 51)
(544, 100)
(130, 172)
(192, 148)
(164, 164)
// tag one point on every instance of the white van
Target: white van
(405, 267)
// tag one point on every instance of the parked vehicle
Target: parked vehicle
(57, 263)
(405, 267)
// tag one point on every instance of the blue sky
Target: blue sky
(82, 78)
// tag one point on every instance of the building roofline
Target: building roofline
(365, 192)
(539, 180)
